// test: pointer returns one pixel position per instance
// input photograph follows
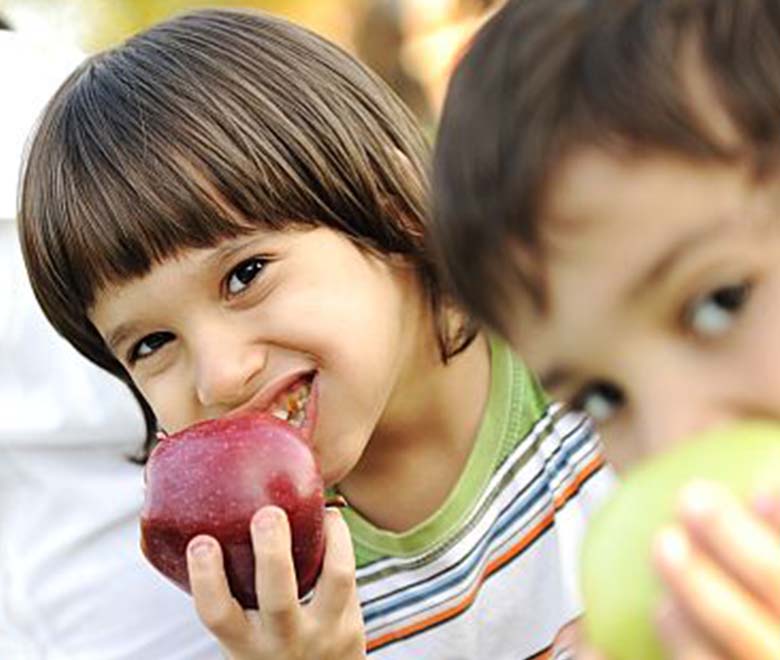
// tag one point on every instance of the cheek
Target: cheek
(621, 448)
(365, 327)
(168, 400)
(760, 343)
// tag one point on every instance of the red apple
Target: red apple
(212, 477)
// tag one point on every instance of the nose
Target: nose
(676, 409)
(226, 368)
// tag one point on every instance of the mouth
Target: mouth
(292, 404)
(296, 405)
(292, 400)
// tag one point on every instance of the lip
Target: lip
(263, 400)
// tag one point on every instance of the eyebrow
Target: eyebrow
(225, 251)
(120, 334)
(659, 270)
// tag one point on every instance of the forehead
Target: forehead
(166, 281)
(185, 268)
(620, 214)
(637, 200)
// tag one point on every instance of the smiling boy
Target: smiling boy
(226, 211)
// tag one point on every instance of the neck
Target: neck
(424, 438)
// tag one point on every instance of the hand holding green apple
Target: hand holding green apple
(621, 586)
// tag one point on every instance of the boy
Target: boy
(227, 210)
(608, 198)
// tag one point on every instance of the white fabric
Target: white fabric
(73, 583)
(30, 71)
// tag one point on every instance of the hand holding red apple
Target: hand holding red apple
(235, 514)
(212, 477)
(329, 627)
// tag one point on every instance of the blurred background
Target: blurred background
(413, 44)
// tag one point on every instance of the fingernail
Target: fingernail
(767, 503)
(266, 519)
(667, 621)
(698, 500)
(333, 513)
(664, 615)
(201, 548)
(672, 548)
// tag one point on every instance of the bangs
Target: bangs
(127, 202)
(134, 184)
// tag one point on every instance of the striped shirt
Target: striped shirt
(493, 573)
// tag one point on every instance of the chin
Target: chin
(334, 472)
(332, 476)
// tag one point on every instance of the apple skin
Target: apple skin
(621, 589)
(212, 477)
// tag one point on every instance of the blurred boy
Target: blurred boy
(608, 199)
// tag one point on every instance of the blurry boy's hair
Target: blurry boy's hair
(547, 77)
(206, 127)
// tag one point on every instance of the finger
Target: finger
(336, 587)
(214, 603)
(679, 637)
(731, 617)
(766, 503)
(277, 590)
(742, 543)
(587, 653)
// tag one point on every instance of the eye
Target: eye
(148, 345)
(713, 315)
(243, 274)
(600, 401)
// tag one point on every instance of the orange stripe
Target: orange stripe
(492, 566)
(595, 463)
(544, 655)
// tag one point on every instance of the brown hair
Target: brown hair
(199, 129)
(545, 77)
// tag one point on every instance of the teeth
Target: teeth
(291, 406)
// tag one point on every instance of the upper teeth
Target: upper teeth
(290, 406)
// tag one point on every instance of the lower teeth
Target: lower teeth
(297, 419)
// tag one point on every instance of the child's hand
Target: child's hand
(328, 627)
(722, 568)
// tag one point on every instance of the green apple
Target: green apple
(620, 587)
